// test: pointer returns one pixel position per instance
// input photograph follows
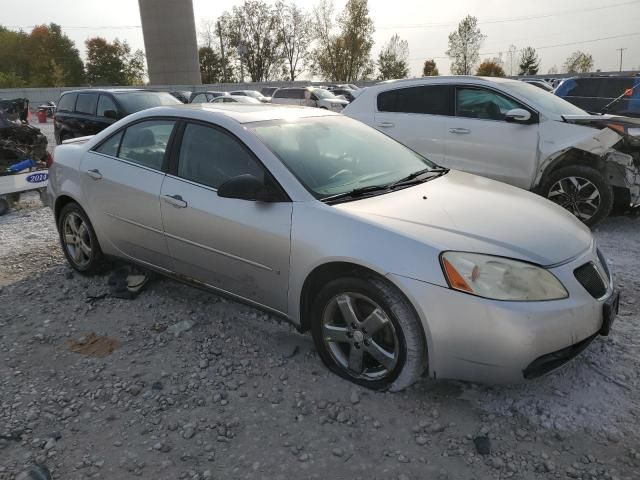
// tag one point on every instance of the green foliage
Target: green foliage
(112, 63)
(430, 69)
(490, 68)
(211, 69)
(579, 62)
(529, 62)
(251, 29)
(393, 59)
(346, 55)
(295, 32)
(43, 58)
(464, 46)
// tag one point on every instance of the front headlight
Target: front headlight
(500, 278)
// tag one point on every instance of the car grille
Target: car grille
(590, 279)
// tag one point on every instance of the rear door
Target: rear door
(85, 114)
(417, 116)
(481, 141)
(582, 92)
(121, 180)
(238, 246)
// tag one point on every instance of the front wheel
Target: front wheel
(78, 239)
(582, 190)
(367, 332)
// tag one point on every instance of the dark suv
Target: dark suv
(599, 94)
(87, 112)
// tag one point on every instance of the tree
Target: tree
(113, 63)
(14, 58)
(430, 69)
(343, 56)
(211, 68)
(553, 70)
(578, 62)
(54, 61)
(529, 62)
(464, 46)
(393, 59)
(296, 33)
(491, 68)
(251, 29)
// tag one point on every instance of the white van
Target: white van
(309, 97)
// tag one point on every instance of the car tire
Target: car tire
(582, 190)
(396, 334)
(79, 241)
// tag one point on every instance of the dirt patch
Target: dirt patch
(94, 345)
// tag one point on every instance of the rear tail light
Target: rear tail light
(49, 159)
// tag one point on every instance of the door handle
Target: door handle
(386, 124)
(95, 174)
(459, 131)
(175, 200)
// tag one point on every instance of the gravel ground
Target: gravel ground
(200, 388)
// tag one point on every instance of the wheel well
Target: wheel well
(61, 201)
(319, 277)
(573, 156)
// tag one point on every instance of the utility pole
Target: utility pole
(621, 50)
(224, 63)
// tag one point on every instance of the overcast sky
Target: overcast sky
(548, 25)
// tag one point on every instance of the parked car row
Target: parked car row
(503, 129)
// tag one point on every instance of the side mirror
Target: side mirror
(247, 187)
(111, 114)
(518, 115)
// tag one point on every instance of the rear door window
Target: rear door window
(67, 102)
(105, 102)
(425, 99)
(145, 143)
(87, 103)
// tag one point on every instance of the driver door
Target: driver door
(479, 140)
(238, 246)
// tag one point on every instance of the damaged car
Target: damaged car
(20, 141)
(514, 132)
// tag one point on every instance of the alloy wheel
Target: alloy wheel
(360, 336)
(576, 194)
(77, 239)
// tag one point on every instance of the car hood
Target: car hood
(459, 211)
(600, 121)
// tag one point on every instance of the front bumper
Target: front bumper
(477, 339)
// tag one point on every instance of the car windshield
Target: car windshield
(322, 93)
(136, 101)
(542, 99)
(331, 155)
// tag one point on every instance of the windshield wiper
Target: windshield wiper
(606, 108)
(356, 192)
(411, 178)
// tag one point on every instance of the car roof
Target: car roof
(241, 112)
(110, 90)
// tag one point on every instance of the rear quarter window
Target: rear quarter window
(67, 102)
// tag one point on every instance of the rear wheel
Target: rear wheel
(78, 239)
(582, 190)
(367, 332)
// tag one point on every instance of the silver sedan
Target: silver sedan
(394, 264)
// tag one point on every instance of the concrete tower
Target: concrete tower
(170, 42)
